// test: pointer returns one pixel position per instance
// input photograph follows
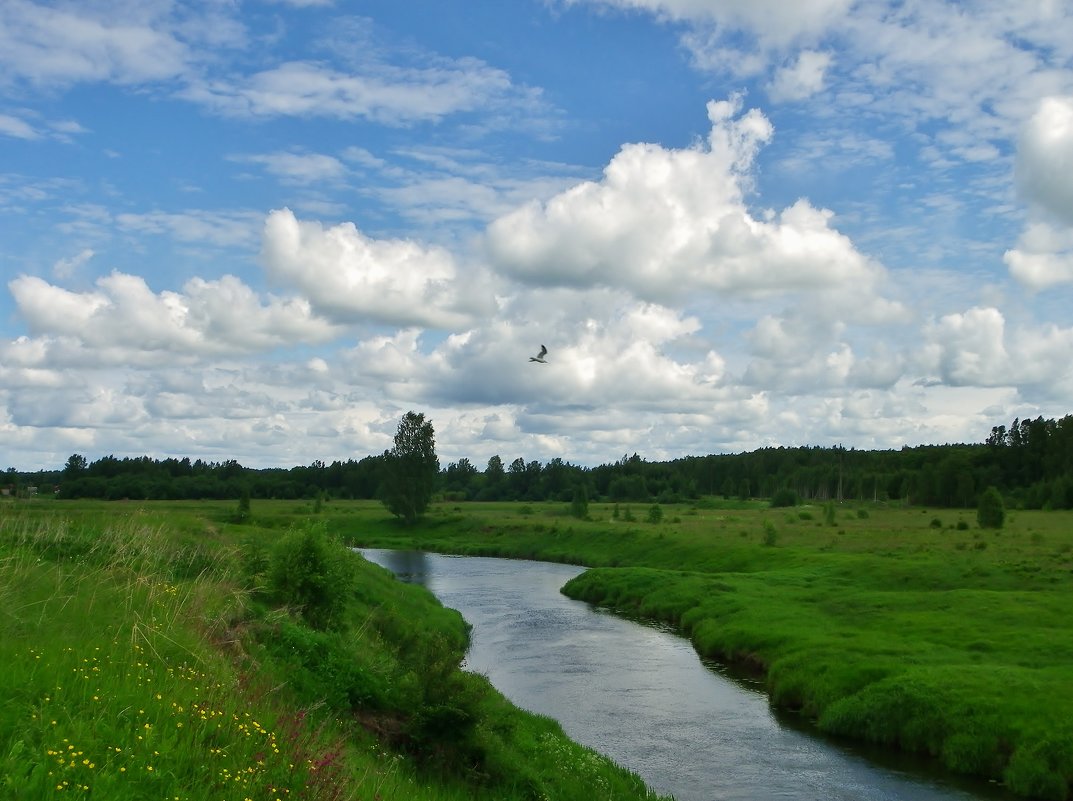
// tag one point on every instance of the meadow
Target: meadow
(911, 628)
(157, 650)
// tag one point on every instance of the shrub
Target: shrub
(655, 513)
(770, 534)
(313, 572)
(579, 506)
(936, 523)
(991, 512)
(784, 497)
(962, 525)
(829, 513)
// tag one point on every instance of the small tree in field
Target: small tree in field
(579, 505)
(411, 469)
(991, 513)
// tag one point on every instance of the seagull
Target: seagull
(540, 356)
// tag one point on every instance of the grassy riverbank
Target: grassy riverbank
(149, 651)
(910, 628)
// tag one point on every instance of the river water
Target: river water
(640, 694)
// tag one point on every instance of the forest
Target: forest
(1030, 462)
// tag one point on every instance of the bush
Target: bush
(579, 506)
(313, 572)
(784, 497)
(829, 513)
(770, 534)
(655, 513)
(991, 513)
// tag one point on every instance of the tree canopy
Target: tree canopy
(411, 469)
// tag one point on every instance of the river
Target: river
(640, 694)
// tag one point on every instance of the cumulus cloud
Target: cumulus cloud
(976, 348)
(1045, 157)
(1043, 256)
(350, 277)
(122, 321)
(665, 223)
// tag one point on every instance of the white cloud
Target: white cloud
(1045, 157)
(46, 45)
(65, 268)
(394, 96)
(667, 223)
(773, 22)
(17, 128)
(350, 277)
(1043, 256)
(298, 168)
(801, 79)
(123, 321)
(976, 348)
(221, 228)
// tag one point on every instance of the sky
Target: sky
(264, 230)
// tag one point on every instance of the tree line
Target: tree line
(1030, 462)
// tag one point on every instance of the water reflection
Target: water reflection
(641, 696)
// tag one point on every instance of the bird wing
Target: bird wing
(543, 351)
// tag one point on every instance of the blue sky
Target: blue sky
(265, 230)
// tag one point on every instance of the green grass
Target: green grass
(946, 640)
(144, 657)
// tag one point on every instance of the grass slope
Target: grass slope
(144, 657)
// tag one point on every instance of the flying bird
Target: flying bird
(540, 356)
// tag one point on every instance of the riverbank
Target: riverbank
(160, 650)
(908, 628)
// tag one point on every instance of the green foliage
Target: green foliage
(829, 513)
(771, 536)
(991, 512)
(410, 469)
(312, 572)
(655, 513)
(784, 497)
(579, 505)
(242, 513)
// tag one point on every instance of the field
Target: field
(164, 651)
(911, 628)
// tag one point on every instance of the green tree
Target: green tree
(76, 466)
(242, 514)
(991, 512)
(579, 506)
(411, 469)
